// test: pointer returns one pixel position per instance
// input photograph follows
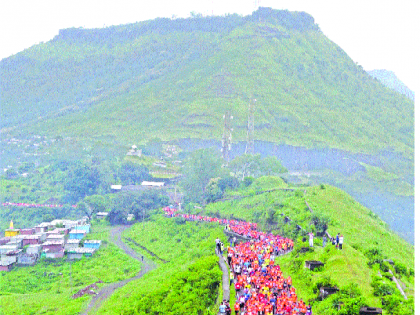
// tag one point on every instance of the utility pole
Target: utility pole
(249, 149)
(227, 136)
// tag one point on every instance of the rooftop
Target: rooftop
(81, 250)
(53, 243)
(75, 231)
(93, 241)
(73, 241)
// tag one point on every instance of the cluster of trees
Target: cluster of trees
(205, 180)
(140, 204)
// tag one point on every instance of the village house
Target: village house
(102, 215)
(31, 240)
(42, 227)
(6, 266)
(4, 240)
(115, 188)
(77, 234)
(153, 184)
(34, 249)
(77, 253)
(92, 244)
(56, 237)
(7, 248)
(53, 246)
(11, 257)
(72, 243)
(53, 253)
(27, 231)
(42, 236)
(84, 227)
(16, 241)
(27, 259)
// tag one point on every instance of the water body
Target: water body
(396, 211)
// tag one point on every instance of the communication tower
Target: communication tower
(227, 136)
(249, 149)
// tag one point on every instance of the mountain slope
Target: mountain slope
(176, 78)
(389, 79)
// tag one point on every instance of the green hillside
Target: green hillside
(267, 203)
(176, 78)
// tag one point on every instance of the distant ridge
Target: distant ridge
(389, 79)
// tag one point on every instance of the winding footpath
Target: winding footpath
(259, 283)
(106, 291)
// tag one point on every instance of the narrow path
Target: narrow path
(106, 291)
(225, 277)
(398, 284)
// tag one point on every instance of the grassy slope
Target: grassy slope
(362, 230)
(309, 91)
(360, 226)
(181, 245)
(28, 291)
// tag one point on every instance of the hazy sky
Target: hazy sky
(375, 34)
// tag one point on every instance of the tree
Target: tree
(200, 167)
(132, 173)
(252, 165)
(93, 204)
(82, 181)
(213, 191)
(138, 203)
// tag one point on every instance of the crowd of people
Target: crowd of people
(33, 205)
(261, 288)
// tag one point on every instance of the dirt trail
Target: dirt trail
(106, 291)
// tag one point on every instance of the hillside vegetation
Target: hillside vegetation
(187, 282)
(176, 78)
(359, 267)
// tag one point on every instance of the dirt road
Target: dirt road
(106, 291)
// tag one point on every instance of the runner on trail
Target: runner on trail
(218, 245)
(222, 308)
(311, 239)
(261, 288)
(340, 242)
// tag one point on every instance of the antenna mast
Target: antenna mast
(227, 136)
(249, 149)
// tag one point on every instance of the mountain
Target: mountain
(101, 90)
(176, 78)
(389, 79)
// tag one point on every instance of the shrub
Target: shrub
(384, 266)
(374, 255)
(382, 289)
(400, 268)
(324, 281)
(248, 181)
(180, 220)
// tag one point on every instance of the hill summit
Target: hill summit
(176, 78)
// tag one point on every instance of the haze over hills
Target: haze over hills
(389, 79)
(174, 79)
(183, 74)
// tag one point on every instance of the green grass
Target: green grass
(362, 230)
(377, 173)
(184, 246)
(359, 225)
